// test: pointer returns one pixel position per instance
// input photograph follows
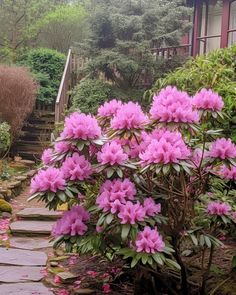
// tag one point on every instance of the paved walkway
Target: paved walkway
(22, 266)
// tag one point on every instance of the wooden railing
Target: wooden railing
(169, 52)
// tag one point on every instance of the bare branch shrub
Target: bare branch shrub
(17, 96)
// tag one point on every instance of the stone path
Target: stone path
(22, 265)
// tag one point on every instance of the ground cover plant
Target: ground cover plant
(145, 187)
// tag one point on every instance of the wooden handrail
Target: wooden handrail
(63, 92)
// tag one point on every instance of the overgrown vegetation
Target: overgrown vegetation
(216, 70)
(5, 137)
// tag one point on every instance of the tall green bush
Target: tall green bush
(5, 138)
(47, 65)
(217, 71)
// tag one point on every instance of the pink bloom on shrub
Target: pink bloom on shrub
(81, 126)
(110, 108)
(76, 167)
(223, 148)
(106, 288)
(62, 147)
(112, 154)
(129, 116)
(228, 173)
(208, 100)
(131, 213)
(168, 148)
(218, 208)
(197, 156)
(51, 179)
(172, 105)
(47, 156)
(110, 191)
(151, 207)
(115, 206)
(149, 241)
(72, 222)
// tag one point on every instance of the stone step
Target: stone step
(20, 274)
(29, 155)
(22, 257)
(39, 214)
(28, 243)
(24, 289)
(30, 227)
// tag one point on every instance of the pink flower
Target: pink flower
(62, 147)
(99, 229)
(223, 148)
(81, 126)
(149, 241)
(47, 156)
(129, 116)
(72, 222)
(112, 154)
(208, 100)
(109, 108)
(76, 167)
(92, 273)
(228, 173)
(165, 147)
(197, 156)
(151, 207)
(171, 105)
(131, 213)
(106, 288)
(51, 179)
(113, 191)
(218, 208)
(57, 279)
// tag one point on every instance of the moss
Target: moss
(5, 206)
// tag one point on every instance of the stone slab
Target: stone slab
(40, 213)
(31, 227)
(19, 274)
(22, 257)
(24, 289)
(28, 243)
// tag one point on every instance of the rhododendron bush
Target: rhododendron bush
(136, 183)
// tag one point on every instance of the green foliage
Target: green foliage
(47, 65)
(5, 206)
(217, 71)
(89, 94)
(5, 137)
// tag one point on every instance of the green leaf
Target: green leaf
(50, 196)
(173, 263)
(61, 195)
(80, 145)
(109, 218)
(157, 258)
(34, 196)
(144, 258)
(119, 172)
(208, 241)
(194, 239)
(202, 240)
(134, 262)
(110, 172)
(176, 167)
(166, 169)
(73, 189)
(125, 231)
(101, 219)
(69, 194)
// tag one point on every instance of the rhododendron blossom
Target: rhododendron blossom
(223, 149)
(149, 241)
(228, 172)
(112, 154)
(110, 108)
(129, 116)
(131, 213)
(76, 167)
(218, 208)
(208, 100)
(171, 105)
(81, 126)
(51, 179)
(62, 147)
(150, 207)
(72, 222)
(47, 156)
(168, 148)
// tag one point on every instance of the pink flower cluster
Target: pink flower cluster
(72, 222)
(47, 156)
(149, 241)
(223, 149)
(164, 147)
(81, 126)
(131, 213)
(116, 190)
(110, 108)
(218, 208)
(112, 154)
(62, 147)
(228, 173)
(76, 167)
(51, 179)
(208, 100)
(129, 116)
(171, 105)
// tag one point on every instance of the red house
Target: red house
(214, 26)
